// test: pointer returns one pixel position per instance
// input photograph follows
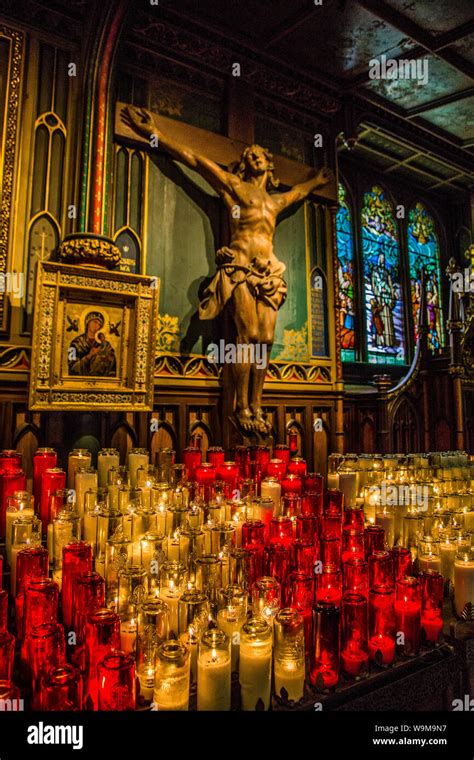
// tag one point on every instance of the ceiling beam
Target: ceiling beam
(417, 34)
(290, 26)
(454, 35)
(445, 100)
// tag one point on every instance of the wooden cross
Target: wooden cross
(223, 150)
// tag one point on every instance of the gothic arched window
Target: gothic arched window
(423, 253)
(382, 288)
(345, 270)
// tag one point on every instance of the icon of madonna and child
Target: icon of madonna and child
(91, 354)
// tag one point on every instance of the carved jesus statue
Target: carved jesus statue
(249, 277)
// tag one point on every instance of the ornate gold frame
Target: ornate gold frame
(7, 155)
(59, 285)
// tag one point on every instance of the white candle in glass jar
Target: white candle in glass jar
(105, 460)
(190, 640)
(386, 519)
(255, 672)
(271, 489)
(213, 680)
(429, 561)
(161, 519)
(230, 620)
(128, 635)
(135, 460)
(463, 581)
(447, 553)
(171, 594)
(333, 480)
(85, 480)
(348, 486)
(290, 676)
(77, 458)
(469, 520)
(10, 517)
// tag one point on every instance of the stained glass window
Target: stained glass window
(382, 290)
(423, 252)
(345, 256)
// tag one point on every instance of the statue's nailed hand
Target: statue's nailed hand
(139, 120)
(324, 176)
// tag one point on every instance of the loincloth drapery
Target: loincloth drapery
(265, 283)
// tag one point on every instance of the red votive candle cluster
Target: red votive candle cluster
(77, 560)
(192, 457)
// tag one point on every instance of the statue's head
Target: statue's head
(256, 161)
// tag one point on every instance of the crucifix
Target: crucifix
(249, 278)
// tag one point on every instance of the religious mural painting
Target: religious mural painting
(382, 288)
(345, 256)
(423, 253)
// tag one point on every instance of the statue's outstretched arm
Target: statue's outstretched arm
(301, 191)
(142, 122)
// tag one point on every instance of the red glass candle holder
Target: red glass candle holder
(88, 595)
(10, 481)
(324, 668)
(329, 585)
(352, 543)
(380, 568)
(408, 613)
(355, 572)
(290, 505)
(101, 636)
(3, 610)
(256, 475)
(215, 455)
(117, 689)
(77, 560)
(46, 647)
(432, 591)
(354, 647)
(354, 518)
(293, 442)
(9, 692)
(291, 484)
(7, 654)
(205, 475)
(297, 466)
(333, 501)
(331, 525)
(312, 504)
(313, 482)
(192, 457)
(331, 550)
(277, 562)
(52, 479)
(40, 607)
(402, 562)
(10, 460)
(253, 534)
(281, 451)
(229, 473)
(307, 527)
(299, 595)
(276, 468)
(382, 625)
(262, 457)
(61, 689)
(241, 456)
(303, 555)
(43, 459)
(374, 539)
(32, 562)
(281, 530)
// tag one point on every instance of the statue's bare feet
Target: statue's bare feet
(245, 419)
(260, 423)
